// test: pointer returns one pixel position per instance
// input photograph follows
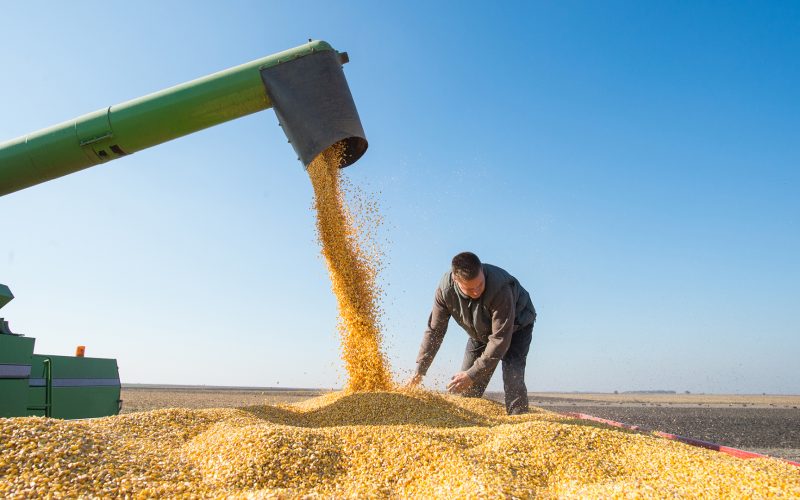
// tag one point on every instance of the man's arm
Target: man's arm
(434, 333)
(502, 329)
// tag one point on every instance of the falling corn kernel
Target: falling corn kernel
(353, 271)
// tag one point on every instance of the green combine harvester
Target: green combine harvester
(307, 88)
(53, 386)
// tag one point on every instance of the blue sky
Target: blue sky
(634, 164)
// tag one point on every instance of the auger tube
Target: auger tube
(305, 85)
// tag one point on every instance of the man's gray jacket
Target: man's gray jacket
(502, 309)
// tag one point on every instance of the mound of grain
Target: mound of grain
(383, 444)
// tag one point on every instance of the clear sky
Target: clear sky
(634, 164)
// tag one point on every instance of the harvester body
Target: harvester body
(54, 386)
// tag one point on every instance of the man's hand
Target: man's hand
(414, 381)
(459, 383)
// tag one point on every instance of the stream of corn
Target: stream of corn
(353, 270)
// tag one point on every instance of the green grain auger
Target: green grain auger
(306, 87)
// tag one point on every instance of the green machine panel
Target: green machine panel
(5, 295)
(15, 367)
(53, 386)
(73, 387)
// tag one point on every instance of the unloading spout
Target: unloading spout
(305, 85)
(315, 107)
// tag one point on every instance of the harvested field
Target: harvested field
(705, 400)
(154, 397)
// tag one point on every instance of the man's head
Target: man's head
(468, 274)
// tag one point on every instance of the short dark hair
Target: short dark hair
(466, 266)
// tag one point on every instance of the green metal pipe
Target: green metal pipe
(126, 128)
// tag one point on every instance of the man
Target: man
(497, 314)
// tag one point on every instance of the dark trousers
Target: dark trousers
(513, 370)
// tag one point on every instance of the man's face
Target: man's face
(471, 288)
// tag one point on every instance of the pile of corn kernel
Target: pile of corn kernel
(353, 268)
(366, 444)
